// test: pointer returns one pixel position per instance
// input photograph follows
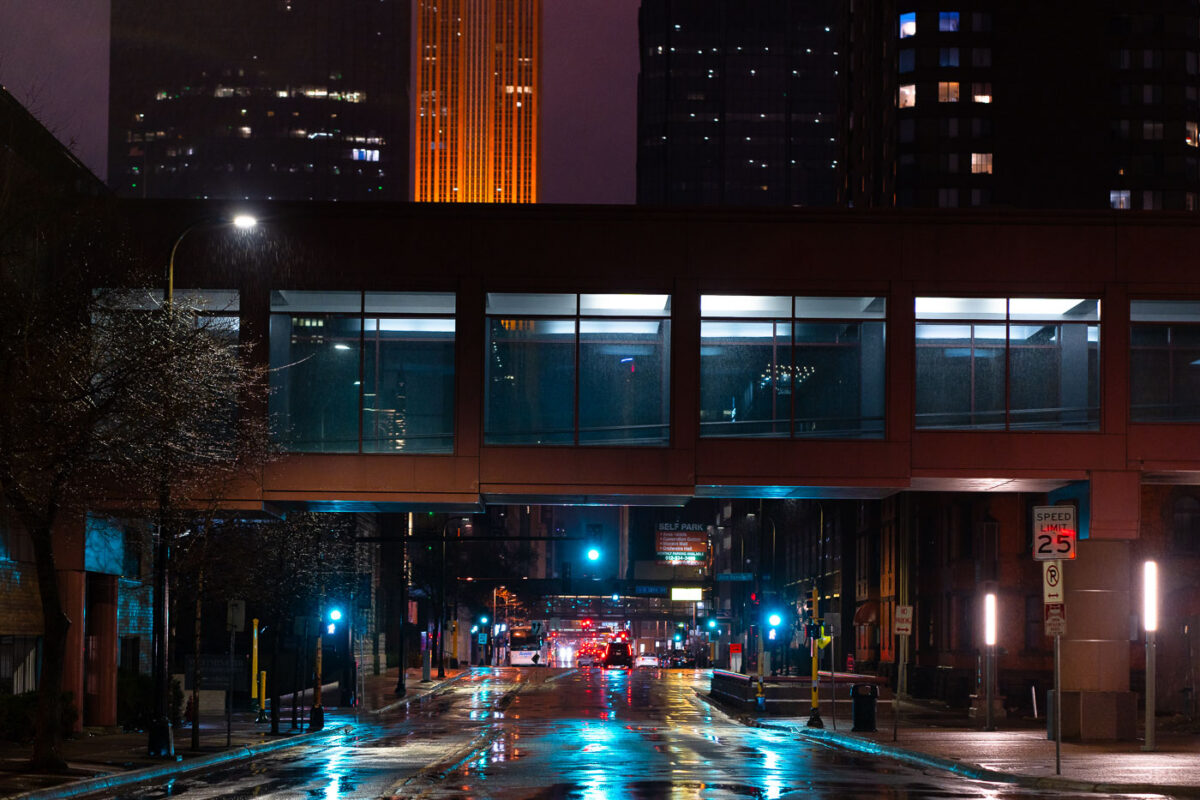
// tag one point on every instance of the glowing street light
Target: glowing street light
(593, 554)
(989, 639)
(1150, 623)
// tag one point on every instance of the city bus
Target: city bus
(527, 647)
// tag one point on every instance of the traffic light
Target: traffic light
(332, 619)
(774, 626)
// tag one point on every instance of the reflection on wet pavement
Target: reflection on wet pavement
(513, 734)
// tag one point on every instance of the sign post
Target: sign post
(904, 621)
(1055, 535)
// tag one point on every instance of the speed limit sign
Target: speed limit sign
(1054, 533)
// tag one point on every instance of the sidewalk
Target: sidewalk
(105, 760)
(1018, 752)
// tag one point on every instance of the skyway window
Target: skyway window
(587, 369)
(1007, 363)
(779, 366)
(369, 372)
(1164, 360)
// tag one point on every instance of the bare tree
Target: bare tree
(100, 403)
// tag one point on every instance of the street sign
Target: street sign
(735, 648)
(833, 621)
(1054, 533)
(483, 638)
(235, 615)
(1056, 619)
(735, 576)
(904, 620)
(217, 673)
(1052, 584)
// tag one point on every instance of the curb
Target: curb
(405, 701)
(977, 772)
(735, 714)
(168, 769)
(122, 779)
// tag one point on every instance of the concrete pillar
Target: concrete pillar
(100, 708)
(1097, 703)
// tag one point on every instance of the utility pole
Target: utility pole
(401, 689)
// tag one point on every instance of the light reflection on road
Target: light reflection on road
(508, 734)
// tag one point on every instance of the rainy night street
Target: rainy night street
(587, 734)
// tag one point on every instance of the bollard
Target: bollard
(262, 694)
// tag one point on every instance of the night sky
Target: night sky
(54, 59)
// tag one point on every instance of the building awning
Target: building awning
(867, 613)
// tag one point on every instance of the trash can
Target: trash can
(863, 698)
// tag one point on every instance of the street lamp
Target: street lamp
(441, 647)
(1150, 623)
(989, 639)
(160, 738)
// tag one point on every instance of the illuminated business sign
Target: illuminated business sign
(688, 593)
(681, 542)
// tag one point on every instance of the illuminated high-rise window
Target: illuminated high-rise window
(478, 91)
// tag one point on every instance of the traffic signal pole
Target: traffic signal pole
(814, 719)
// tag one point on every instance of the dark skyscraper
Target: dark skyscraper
(283, 99)
(737, 102)
(1022, 104)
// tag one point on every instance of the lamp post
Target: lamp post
(989, 640)
(440, 633)
(1150, 623)
(401, 689)
(160, 739)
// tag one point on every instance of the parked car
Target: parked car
(585, 659)
(646, 660)
(617, 654)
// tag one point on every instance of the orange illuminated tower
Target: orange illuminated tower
(477, 69)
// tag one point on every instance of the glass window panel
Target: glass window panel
(202, 300)
(526, 303)
(314, 360)
(1164, 310)
(1165, 373)
(208, 300)
(980, 308)
(841, 307)
(745, 306)
(960, 376)
(291, 301)
(530, 386)
(613, 305)
(408, 386)
(1054, 376)
(837, 379)
(624, 382)
(1053, 308)
(409, 303)
(908, 24)
(745, 378)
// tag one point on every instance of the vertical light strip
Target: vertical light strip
(1150, 596)
(989, 619)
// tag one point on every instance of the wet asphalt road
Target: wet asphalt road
(511, 733)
